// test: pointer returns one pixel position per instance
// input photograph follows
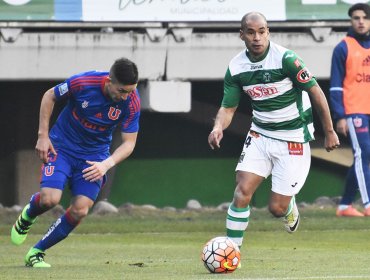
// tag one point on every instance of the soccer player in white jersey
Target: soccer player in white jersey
(280, 88)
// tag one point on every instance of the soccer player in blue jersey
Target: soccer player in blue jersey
(76, 149)
(350, 103)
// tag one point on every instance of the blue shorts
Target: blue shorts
(63, 169)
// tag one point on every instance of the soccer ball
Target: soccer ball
(221, 255)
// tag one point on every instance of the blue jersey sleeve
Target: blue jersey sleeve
(62, 90)
(76, 83)
(338, 72)
(131, 123)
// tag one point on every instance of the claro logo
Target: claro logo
(259, 91)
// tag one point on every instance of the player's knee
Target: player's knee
(78, 213)
(277, 209)
(48, 202)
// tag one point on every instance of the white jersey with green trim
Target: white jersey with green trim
(276, 85)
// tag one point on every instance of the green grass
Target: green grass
(160, 244)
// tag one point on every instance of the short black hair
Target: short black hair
(360, 6)
(124, 71)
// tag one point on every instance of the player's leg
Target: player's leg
(285, 206)
(252, 169)
(84, 194)
(30, 212)
(239, 210)
(52, 174)
(358, 176)
(360, 139)
(345, 208)
(291, 164)
(59, 230)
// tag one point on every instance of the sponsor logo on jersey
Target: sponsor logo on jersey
(87, 123)
(295, 149)
(63, 89)
(99, 115)
(366, 61)
(304, 76)
(85, 104)
(362, 78)
(362, 130)
(255, 67)
(260, 91)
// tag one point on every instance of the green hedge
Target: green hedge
(172, 182)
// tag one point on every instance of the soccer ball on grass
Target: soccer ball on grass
(221, 255)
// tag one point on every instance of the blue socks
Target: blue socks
(57, 232)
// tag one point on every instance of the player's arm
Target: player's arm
(44, 145)
(320, 103)
(97, 170)
(125, 149)
(295, 68)
(337, 75)
(223, 119)
(225, 114)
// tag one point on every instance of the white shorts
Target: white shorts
(287, 162)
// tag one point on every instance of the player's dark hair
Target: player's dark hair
(124, 71)
(360, 6)
(252, 15)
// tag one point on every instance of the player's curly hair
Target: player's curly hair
(360, 6)
(124, 71)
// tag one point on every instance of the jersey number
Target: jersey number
(248, 141)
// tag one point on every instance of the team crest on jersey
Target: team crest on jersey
(304, 76)
(266, 77)
(49, 170)
(114, 113)
(357, 122)
(85, 104)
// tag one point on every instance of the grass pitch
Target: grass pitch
(158, 244)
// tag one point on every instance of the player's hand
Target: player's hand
(43, 148)
(95, 171)
(342, 127)
(331, 141)
(214, 138)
